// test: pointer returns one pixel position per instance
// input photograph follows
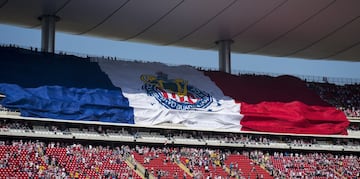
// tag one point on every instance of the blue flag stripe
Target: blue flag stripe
(62, 87)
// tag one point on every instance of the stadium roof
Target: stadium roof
(321, 29)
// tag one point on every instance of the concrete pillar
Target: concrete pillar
(224, 47)
(48, 33)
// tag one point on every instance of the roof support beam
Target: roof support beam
(224, 47)
(48, 23)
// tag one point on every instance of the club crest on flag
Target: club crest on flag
(175, 93)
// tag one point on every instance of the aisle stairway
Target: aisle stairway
(157, 165)
(212, 171)
(247, 166)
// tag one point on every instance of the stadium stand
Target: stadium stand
(344, 97)
(154, 156)
(32, 147)
(32, 159)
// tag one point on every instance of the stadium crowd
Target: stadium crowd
(344, 97)
(172, 135)
(202, 162)
(35, 159)
(308, 165)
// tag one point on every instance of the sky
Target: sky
(177, 55)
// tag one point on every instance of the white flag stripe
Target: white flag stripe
(222, 113)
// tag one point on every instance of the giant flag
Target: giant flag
(180, 94)
(73, 88)
(60, 87)
(281, 104)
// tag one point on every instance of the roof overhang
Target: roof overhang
(321, 29)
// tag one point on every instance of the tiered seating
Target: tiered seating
(33, 159)
(158, 163)
(12, 158)
(30, 160)
(91, 163)
(213, 170)
(301, 166)
(347, 166)
(246, 167)
(8, 173)
(280, 164)
(346, 97)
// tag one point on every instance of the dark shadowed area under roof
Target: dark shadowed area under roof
(321, 29)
